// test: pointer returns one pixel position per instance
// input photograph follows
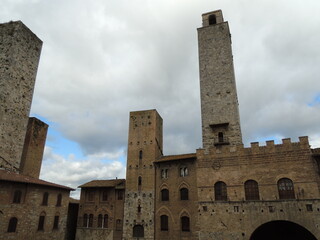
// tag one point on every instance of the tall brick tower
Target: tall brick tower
(219, 101)
(19, 57)
(144, 146)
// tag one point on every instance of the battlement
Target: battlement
(286, 151)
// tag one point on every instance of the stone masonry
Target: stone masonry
(219, 102)
(19, 57)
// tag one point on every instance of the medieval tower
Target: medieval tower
(219, 102)
(19, 57)
(144, 147)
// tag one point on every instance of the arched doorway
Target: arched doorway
(281, 230)
(138, 231)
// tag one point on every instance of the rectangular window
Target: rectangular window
(236, 208)
(56, 222)
(90, 196)
(120, 195)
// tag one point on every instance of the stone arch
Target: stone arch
(184, 184)
(165, 210)
(281, 230)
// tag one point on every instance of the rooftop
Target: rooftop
(15, 177)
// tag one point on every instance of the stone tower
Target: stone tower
(19, 57)
(219, 101)
(144, 146)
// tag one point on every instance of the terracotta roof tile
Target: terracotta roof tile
(15, 177)
(103, 183)
(176, 157)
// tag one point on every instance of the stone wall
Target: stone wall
(28, 211)
(113, 207)
(219, 101)
(19, 57)
(175, 208)
(33, 149)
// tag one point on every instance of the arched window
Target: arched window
(13, 222)
(220, 191)
(56, 222)
(105, 221)
(100, 221)
(59, 199)
(164, 195)
(45, 199)
(85, 220)
(17, 196)
(164, 225)
(251, 190)
(184, 194)
(185, 224)
(184, 171)
(212, 19)
(164, 173)
(118, 225)
(286, 189)
(42, 218)
(138, 231)
(90, 224)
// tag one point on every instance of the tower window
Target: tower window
(139, 180)
(220, 137)
(212, 19)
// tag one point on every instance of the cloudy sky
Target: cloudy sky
(102, 59)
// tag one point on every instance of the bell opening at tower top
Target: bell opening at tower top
(212, 19)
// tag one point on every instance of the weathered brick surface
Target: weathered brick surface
(28, 211)
(113, 207)
(144, 146)
(19, 56)
(33, 148)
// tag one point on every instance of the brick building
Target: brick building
(223, 190)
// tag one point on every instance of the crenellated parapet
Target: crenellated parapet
(270, 152)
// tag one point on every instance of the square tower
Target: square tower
(144, 147)
(219, 101)
(19, 57)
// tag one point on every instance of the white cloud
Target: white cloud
(103, 59)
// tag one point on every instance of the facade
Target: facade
(30, 208)
(101, 210)
(222, 190)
